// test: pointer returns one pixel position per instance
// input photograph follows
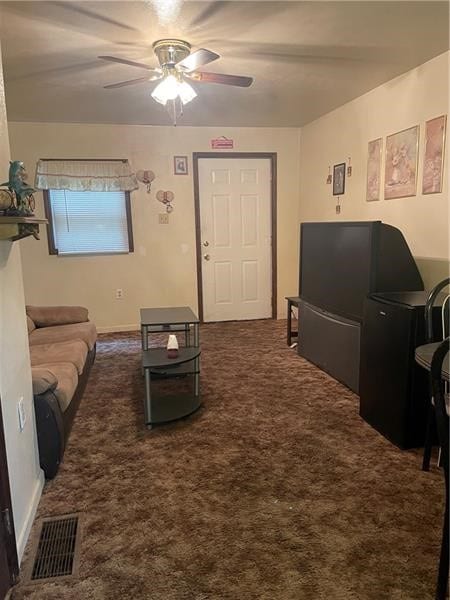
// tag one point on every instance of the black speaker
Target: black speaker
(393, 389)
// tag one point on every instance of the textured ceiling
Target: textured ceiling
(307, 58)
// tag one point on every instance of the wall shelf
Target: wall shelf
(16, 228)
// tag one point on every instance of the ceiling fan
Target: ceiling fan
(178, 66)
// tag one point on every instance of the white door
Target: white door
(236, 248)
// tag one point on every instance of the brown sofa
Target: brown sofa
(62, 350)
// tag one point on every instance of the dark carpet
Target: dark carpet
(274, 490)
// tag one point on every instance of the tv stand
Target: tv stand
(331, 342)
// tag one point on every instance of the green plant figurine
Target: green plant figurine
(21, 193)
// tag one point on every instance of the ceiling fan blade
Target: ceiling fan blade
(197, 59)
(132, 63)
(129, 82)
(205, 77)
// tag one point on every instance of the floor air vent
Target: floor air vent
(57, 549)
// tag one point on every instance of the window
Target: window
(87, 204)
(88, 222)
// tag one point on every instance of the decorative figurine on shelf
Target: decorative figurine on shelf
(21, 194)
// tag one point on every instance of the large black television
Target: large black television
(342, 262)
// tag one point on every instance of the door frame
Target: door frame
(6, 513)
(272, 157)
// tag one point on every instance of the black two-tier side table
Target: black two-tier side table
(157, 365)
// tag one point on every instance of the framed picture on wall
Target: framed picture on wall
(180, 165)
(400, 171)
(374, 170)
(433, 161)
(339, 179)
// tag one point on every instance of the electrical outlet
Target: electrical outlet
(22, 414)
(163, 218)
(119, 293)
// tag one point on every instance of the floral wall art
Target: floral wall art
(433, 162)
(401, 163)
(374, 169)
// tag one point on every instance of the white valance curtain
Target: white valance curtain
(85, 175)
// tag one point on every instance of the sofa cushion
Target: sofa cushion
(47, 316)
(30, 325)
(74, 352)
(67, 377)
(43, 380)
(62, 333)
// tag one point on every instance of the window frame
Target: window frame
(53, 250)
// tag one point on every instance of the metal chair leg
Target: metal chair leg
(429, 433)
(442, 581)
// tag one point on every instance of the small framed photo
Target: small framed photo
(339, 179)
(180, 165)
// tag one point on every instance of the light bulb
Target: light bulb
(186, 92)
(166, 90)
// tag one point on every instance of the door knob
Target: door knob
(206, 256)
(206, 243)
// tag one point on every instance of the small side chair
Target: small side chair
(431, 336)
(441, 411)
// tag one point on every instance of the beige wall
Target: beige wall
(162, 270)
(26, 479)
(408, 100)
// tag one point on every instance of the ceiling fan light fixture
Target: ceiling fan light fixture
(171, 88)
(166, 90)
(176, 63)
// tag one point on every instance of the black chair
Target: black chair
(441, 411)
(430, 336)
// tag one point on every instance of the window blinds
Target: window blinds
(89, 222)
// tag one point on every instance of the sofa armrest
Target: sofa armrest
(50, 433)
(43, 380)
(46, 316)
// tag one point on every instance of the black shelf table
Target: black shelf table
(162, 409)
(169, 320)
(291, 301)
(157, 365)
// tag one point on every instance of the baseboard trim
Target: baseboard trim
(118, 328)
(22, 537)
